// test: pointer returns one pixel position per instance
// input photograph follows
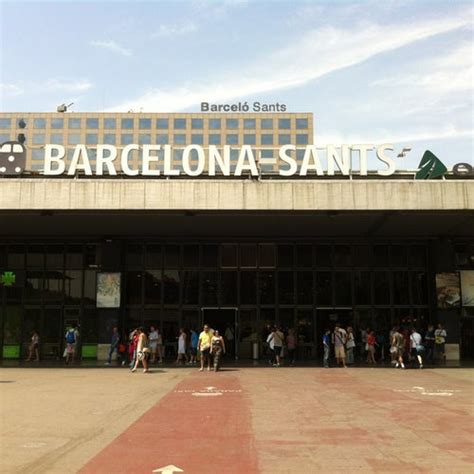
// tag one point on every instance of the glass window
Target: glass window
(232, 139)
(54, 257)
(73, 286)
(162, 123)
(361, 255)
(133, 292)
(267, 257)
(214, 139)
(248, 287)
(153, 256)
(191, 255)
(362, 287)
(419, 284)
(197, 123)
(229, 287)
(209, 255)
(305, 287)
(37, 154)
(74, 123)
(162, 139)
(284, 139)
(4, 137)
(180, 123)
(57, 123)
(266, 287)
(171, 253)
(250, 139)
(266, 153)
(134, 256)
(399, 256)
(92, 138)
(401, 292)
(110, 123)
(342, 255)
(197, 139)
(285, 256)
(109, 138)
(33, 286)
(267, 139)
(381, 255)
(209, 288)
(418, 256)
(248, 255)
(232, 123)
(190, 287)
(249, 124)
(229, 255)
(343, 288)
(127, 123)
(179, 139)
(266, 124)
(144, 124)
(304, 256)
(38, 139)
(57, 138)
(284, 123)
(301, 139)
(39, 123)
(323, 288)
(144, 138)
(74, 139)
(92, 123)
(90, 278)
(286, 288)
(74, 257)
(153, 285)
(127, 139)
(214, 124)
(382, 288)
(301, 123)
(5, 123)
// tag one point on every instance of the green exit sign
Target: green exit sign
(8, 278)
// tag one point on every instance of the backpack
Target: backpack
(70, 337)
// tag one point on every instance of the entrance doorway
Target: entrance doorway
(225, 321)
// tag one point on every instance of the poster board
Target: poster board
(448, 290)
(467, 288)
(108, 290)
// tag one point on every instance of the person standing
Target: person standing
(371, 343)
(440, 340)
(339, 340)
(143, 351)
(350, 345)
(416, 347)
(429, 343)
(70, 344)
(275, 340)
(153, 337)
(291, 343)
(398, 345)
(204, 347)
(114, 343)
(218, 349)
(193, 346)
(230, 338)
(182, 347)
(34, 347)
(132, 346)
(326, 347)
(160, 347)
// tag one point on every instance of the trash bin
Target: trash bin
(255, 350)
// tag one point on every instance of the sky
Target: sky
(370, 71)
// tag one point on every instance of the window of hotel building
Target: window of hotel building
(299, 155)
(197, 124)
(180, 139)
(37, 167)
(266, 124)
(127, 123)
(284, 123)
(180, 123)
(109, 138)
(266, 139)
(232, 139)
(5, 123)
(110, 123)
(4, 137)
(214, 124)
(92, 138)
(197, 139)
(38, 139)
(250, 139)
(144, 124)
(92, 123)
(232, 123)
(162, 139)
(37, 154)
(74, 123)
(57, 123)
(302, 139)
(214, 139)
(57, 138)
(234, 155)
(302, 124)
(162, 123)
(39, 123)
(127, 139)
(144, 138)
(249, 124)
(266, 153)
(178, 155)
(284, 139)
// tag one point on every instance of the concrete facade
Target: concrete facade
(271, 195)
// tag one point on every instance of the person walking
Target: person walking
(142, 351)
(132, 346)
(153, 337)
(371, 343)
(350, 346)
(193, 346)
(339, 339)
(398, 347)
(275, 340)
(204, 347)
(291, 343)
(34, 347)
(440, 341)
(160, 348)
(114, 343)
(182, 347)
(70, 345)
(417, 348)
(326, 347)
(217, 349)
(429, 344)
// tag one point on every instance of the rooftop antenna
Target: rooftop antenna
(63, 107)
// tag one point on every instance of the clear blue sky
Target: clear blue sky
(370, 71)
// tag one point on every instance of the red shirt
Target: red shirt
(371, 340)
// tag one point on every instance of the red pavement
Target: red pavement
(197, 428)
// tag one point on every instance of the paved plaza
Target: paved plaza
(240, 420)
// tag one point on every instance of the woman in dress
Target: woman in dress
(218, 348)
(142, 351)
(182, 347)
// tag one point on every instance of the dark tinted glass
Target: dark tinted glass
(323, 288)
(209, 288)
(229, 288)
(248, 255)
(190, 287)
(133, 292)
(286, 288)
(267, 287)
(285, 256)
(171, 282)
(323, 255)
(362, 287)
(153, 284)
(381, 288)
(305, 287)
(343, 288)
(248, 287)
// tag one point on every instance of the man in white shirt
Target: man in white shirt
(416, 347)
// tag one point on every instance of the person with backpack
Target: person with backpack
(70, 344)
(339, 339)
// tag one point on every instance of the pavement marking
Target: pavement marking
(432, 393)
(170, 469)
(208, 392)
